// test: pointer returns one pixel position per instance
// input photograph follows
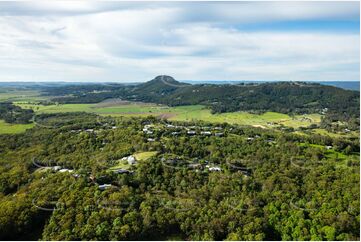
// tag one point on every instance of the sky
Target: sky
(136, 41)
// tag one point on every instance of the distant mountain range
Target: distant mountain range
(348, 85)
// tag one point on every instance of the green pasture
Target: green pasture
(144, 155)
(182, 113)
(265, 120)
(6, 128)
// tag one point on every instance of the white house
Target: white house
(206, 133)
(104, 186)
(215, 168)
(131, 160)
(65, 170)
(56, 168)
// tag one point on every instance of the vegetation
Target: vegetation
(283, 97)
(201, 172)
(180, 113)
(270, 185)
(14, 114)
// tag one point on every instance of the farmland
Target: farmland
(16, 94)
(180, 113)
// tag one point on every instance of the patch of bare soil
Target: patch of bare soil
(117, 102)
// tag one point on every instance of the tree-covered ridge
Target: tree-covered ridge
(270, 185)
(283, 97)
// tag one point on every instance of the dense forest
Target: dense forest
(203, 181)
(14, 114)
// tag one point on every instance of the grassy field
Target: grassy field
(16, 95)
(6, 128)
(336, 135)
(265, 120)
(144, 155)
(182, 113)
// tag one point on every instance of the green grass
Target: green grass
(182, 113)
(144, 155)
(6, 128)
(122, 164)
(61, 108)
(336, 135)
(265, 120)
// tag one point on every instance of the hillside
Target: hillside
(283, 97)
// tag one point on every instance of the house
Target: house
(56, 168)
(65, 170)
(250, 139)
(195, 165)
(191, 132)
(215, 168)
(175, 133)
(131, 160)
(218, 134)
(170, 126)
(324, 111)
(206, 133)
(150, 140)
(104, 186)
(347, 130)
(89, 130)
(328, 147)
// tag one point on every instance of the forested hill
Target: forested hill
(284, 97)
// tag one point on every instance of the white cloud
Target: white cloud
(94, 42)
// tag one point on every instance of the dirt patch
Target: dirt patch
(118, 102)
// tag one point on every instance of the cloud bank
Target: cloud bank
(135, 41)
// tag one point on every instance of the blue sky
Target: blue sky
(135, 41)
